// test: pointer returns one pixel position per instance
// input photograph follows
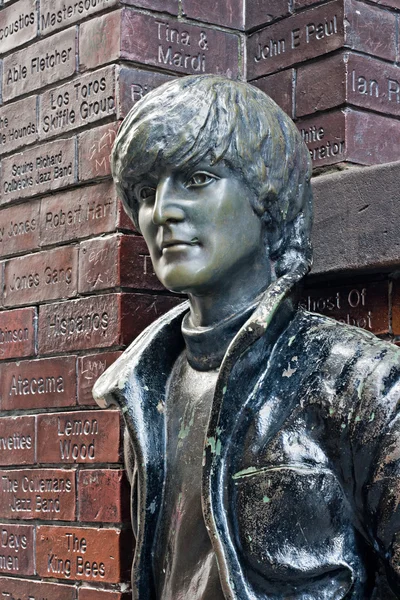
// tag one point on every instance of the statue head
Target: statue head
(222, 124)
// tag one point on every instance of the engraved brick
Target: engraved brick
(38, 170)
(18, 124)
(94, 149)
(44, 494)
(89, 370)
(358, 80)
(19, 228)
(41, 276)
(364, 305)
(98, 321)
(57, 14)
(79, 437)
(169, 6)
(103, 495)
(85, 100)
(17, 333)
(18, 24)
(279, 87)
(117, 261)
(17, 440)
(349, 135)
(238, 14)
(92, 594)
(23, 589)
(81, 212)
(318, 31)
(47, 61)
(149, 40)
(44, 383)
(87, 554)
(17, 548)
(134, 84)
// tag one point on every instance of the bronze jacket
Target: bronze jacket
(301, 486)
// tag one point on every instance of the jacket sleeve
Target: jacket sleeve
(376, 442)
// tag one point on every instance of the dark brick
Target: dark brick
(238, 14)
(24, 589)
(95, 554)
(92, 594)
(80, 213)
(55, 14)
(99, 321)
(17, 333)
(103, 495)
(279, 87)
(94, 152)
(320, 30)
(81, 102)
(17, 440)
(143, 38)
(33, 68)
(19, 228)
(17, 547)
(26, 495)
(117, 261)
(18, 124)
(297, 4)
(39, 170)
(389, 3)
(363, 305)
(18, 24)
(169, 6)
(396, 307)
(42, 276)
(135, 84)
(88, 437)
(43, 383)
(89, 370)
(357, 220)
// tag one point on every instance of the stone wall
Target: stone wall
(77, 281)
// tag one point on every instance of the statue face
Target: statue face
(200, 228)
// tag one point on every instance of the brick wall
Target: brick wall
(77, 282)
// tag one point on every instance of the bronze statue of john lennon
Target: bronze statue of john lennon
(263, 441)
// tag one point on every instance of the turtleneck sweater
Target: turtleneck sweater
(185, 563)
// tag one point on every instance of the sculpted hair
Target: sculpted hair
(208, 116)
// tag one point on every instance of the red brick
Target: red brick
(39, 170)
(87, 554)
(89, 370)
(103, 495)
(56, 14)
(86, 437)
(17, 547)
(17, 440)
(95, 148)
(43, 383)
(304, 36)
(24, 15)
(358, 80)
(92, 594)
(349, 135)
(99, 321)
(44, 494)
(117, 261)
(81, 102)
(135, 84)
(19, 229)
(279, 87)
(143, 38)
(18, 124)
(42, 276)
(24, 589)
(17, 333)
(33, 68)
(238, 14)
(81, 212)
(363, 305)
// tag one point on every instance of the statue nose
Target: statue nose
(167, 206)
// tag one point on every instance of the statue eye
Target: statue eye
(200, 179)
(146, 192)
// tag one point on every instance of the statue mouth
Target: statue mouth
(177, 244)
